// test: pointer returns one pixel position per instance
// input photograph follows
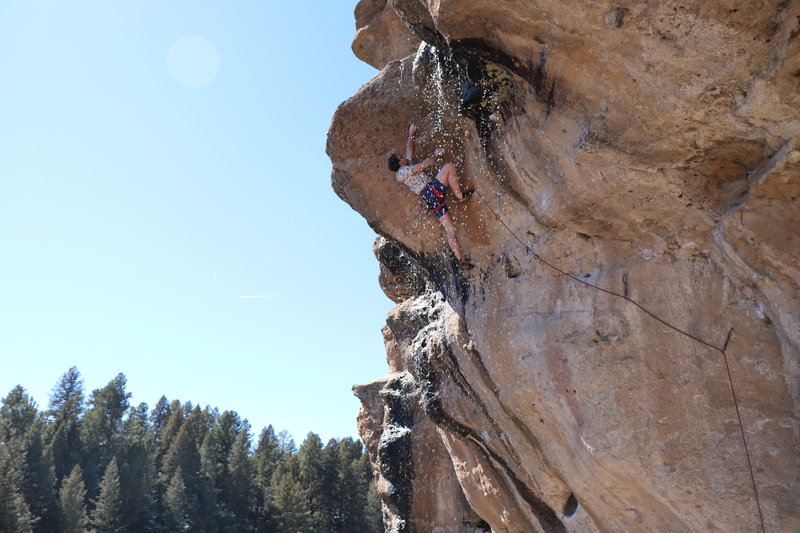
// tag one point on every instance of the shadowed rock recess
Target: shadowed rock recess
(648, 148)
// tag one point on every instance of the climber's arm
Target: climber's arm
(427, 162)
(423, 165)
(410, 142)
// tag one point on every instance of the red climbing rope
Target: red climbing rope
(665, 323)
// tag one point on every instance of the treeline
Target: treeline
(103, 466)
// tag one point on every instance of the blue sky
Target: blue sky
(166, 209)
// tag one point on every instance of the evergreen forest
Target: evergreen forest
(100, 465)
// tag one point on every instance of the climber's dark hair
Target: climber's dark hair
(394, 163)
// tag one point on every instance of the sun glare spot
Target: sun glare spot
(193, 61)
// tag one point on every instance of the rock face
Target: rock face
(381, 36)
(649, 149)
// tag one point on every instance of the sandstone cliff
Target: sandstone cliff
(646, 148)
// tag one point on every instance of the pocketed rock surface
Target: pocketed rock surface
(648, 149)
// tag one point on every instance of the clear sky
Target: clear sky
(166, 209)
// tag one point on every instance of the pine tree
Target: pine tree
(184, 454)
(368, 497)
(214, 454)
(218, 443)
(159, 415)
(266, 459)
(63, 432)
(332, 499)
(313, 480)
(73, 517)
(374, 510)
(16, 414)
(163, 442)
(350, 499)
(240, 497)
(286, 444)
(15, 516)
(136, 470)
(267, 456)
(292, 514)
(168, 431)
(178, 509)
(22, 429)
(100, 429)
(39, 478)
(106, 517)
(183, 451)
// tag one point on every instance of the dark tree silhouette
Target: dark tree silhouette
(107, 467)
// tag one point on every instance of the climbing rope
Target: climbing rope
(662, 321)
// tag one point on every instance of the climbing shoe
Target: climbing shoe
(465, 264)
(465, 195)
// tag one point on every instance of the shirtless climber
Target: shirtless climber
(432, 191)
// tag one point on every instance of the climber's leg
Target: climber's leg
(448, 176)
(450, 233)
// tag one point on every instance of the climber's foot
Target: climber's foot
(465, 264)
(465, 195)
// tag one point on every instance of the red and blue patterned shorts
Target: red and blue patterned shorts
(434, 194)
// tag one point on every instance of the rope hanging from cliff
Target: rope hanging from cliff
(665, 323)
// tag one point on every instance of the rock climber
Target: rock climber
(433, 191)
